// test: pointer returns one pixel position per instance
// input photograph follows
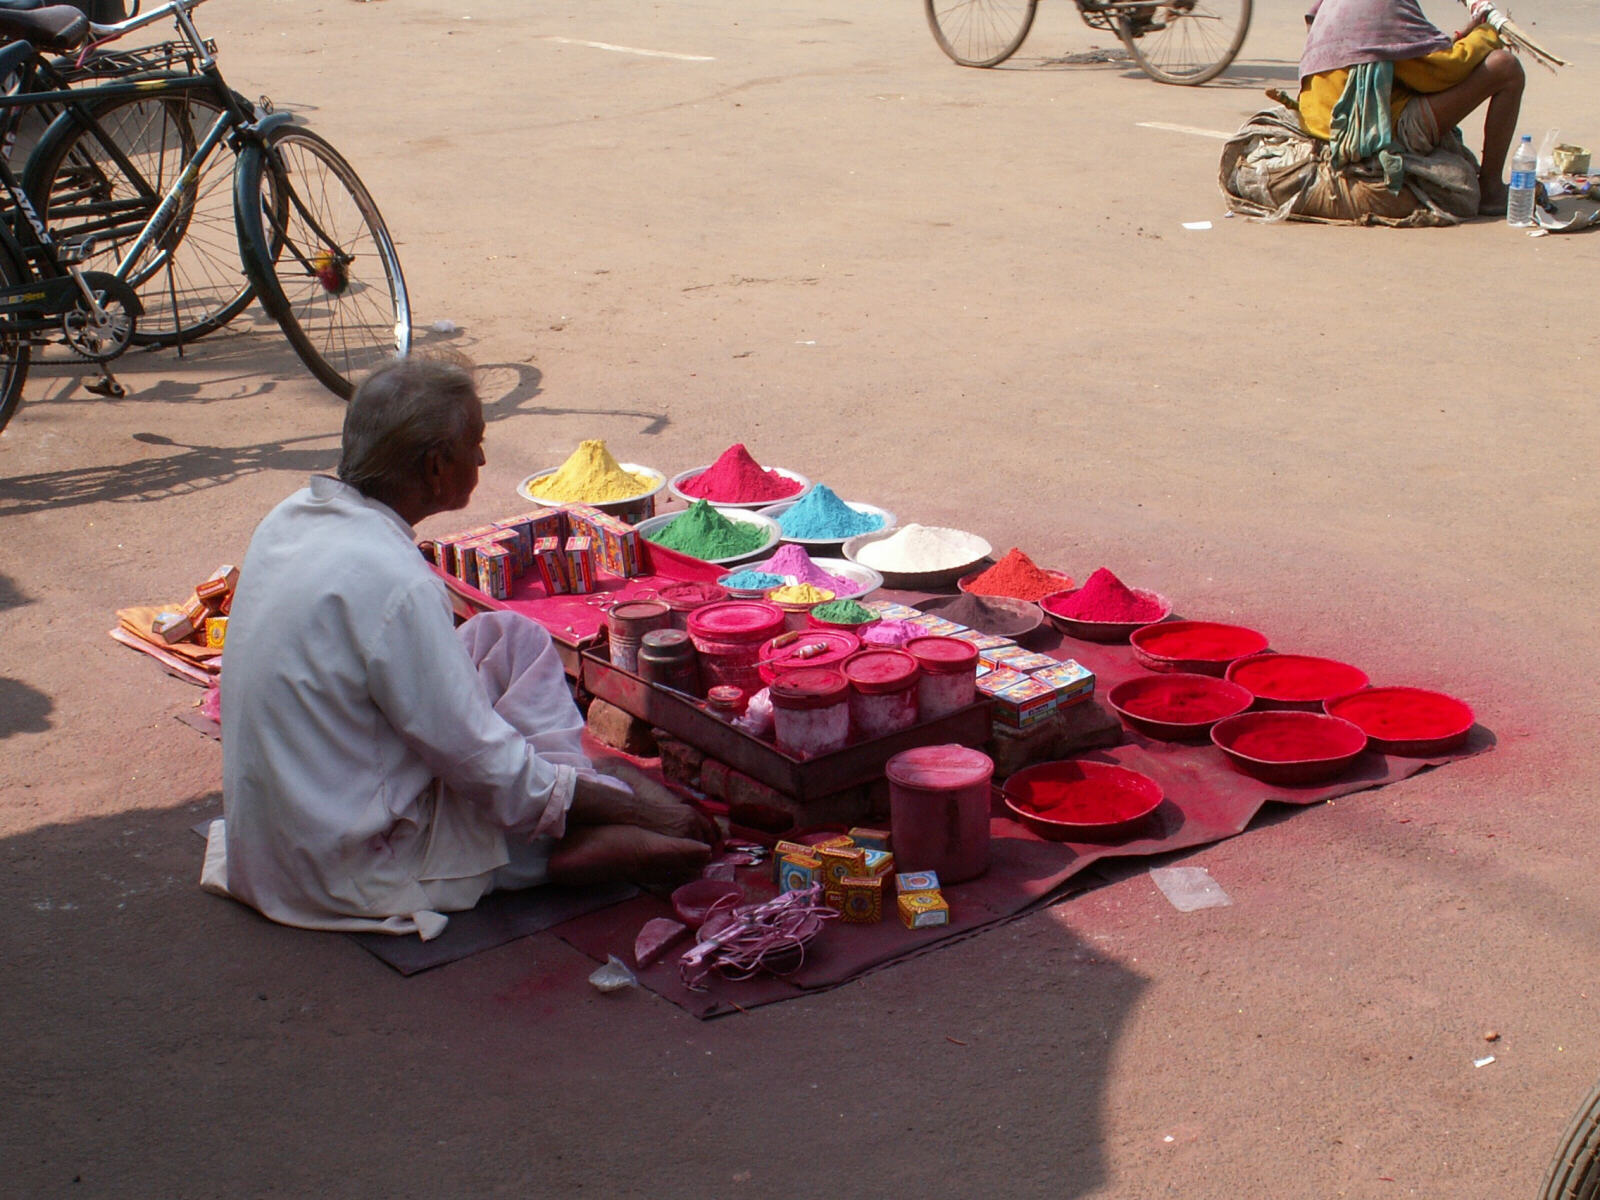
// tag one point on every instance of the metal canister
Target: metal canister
(626, 624)
(668, 658)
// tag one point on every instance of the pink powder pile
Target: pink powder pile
(793, 560)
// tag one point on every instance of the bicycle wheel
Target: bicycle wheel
(320, 257)
(980, 33)
(14, 351)
(1185, 41)
(189, 278)
(1574, 1173)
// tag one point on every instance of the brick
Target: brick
(714, 778)
(680, 762)
(623, 731)
(1065, 732)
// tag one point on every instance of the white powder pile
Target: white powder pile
(913, 548)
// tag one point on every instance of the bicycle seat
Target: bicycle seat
(54, 27)
(22, 5)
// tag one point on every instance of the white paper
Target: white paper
(1190, 888)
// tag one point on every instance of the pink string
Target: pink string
(752, 936)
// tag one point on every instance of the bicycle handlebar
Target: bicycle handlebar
(116, 29)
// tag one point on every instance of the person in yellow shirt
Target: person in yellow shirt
(1376, 76)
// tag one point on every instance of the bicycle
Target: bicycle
(311, 242)
(1173, 41)
(1574, 1172)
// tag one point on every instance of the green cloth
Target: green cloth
(1361, 125)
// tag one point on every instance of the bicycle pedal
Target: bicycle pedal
(72, 256)
(105, 386)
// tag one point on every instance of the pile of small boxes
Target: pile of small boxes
(855, 870)
(203, 618)
(1025, 687)
(566, 547)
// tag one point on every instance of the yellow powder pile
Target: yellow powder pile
(799, 593)
(591, 476)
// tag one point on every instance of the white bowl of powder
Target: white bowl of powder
(918, 556)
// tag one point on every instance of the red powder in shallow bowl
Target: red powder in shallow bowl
(1081, 801)
(736, 478)
(1296, 680)
(1201, 647)
(1289, 747)
(1174, 707)
(1406, 720)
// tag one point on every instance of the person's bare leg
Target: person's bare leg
(604, 853)
(1498, 79)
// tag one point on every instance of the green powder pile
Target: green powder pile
(844, 612)
(704, 533)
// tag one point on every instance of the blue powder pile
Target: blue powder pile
(821, 514)
(750, 581)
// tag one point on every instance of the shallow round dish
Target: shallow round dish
(1013, 618)
(693, 901)
(777, 509)
(1075, 801)
(1173, 707)
(1198, 647)
(1102, 631)
(869, 579)
(610, 506)
(915, 580)
(743, 516)
(1412, 722)
(682, 477)
(1280, 746)
(1298, 681)
(1065, 581)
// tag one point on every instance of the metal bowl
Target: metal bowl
(1116, 802)
(1022, 616)
(776, 511)
(1102, 631)
(674, 486)
(914, 580)
(743, 516)
(616, 507)
(869, 579)
(1335, 744)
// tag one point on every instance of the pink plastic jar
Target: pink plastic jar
(729, 637)
(783, 653)
(883, 692)
(811, 711)
(949, 678)
(939, 810)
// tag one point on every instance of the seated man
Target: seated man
(380, 768)
(1378, 78)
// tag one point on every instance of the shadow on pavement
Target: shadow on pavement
(23, 708)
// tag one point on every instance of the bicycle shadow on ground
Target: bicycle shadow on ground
(1241, 74)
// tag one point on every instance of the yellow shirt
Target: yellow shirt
(1431, 73)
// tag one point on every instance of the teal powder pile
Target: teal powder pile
(821, 514)
(751, 581)
(704, 533)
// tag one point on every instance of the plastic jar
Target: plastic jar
(939, 810)
(811, 711)
(626, 624)
(725, 702)
(949, 678)
(667, 658)
(792, 650)
(684, 598)
(883, 692)
(729, 637)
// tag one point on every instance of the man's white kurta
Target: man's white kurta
(346, 693)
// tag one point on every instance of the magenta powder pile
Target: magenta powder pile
(793, 560)
(1104, 597)
(736, 478)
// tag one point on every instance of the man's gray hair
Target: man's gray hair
(398, 414)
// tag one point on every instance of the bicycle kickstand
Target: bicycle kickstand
(106, 385)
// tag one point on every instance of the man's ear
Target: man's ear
(433, 472)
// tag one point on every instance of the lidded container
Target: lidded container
(811, 711)
(949, 678)
(883, 692)
(684, 598)
(800, 648)
(729, 636)
(939, 810)
(668, 658)
(626, 623)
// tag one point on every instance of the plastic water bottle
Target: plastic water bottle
(1524, 174)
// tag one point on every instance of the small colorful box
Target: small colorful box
(521, 557)
(981, 669)
(1019, 705)
(552, 565)
(838, 863)
(466, 561)
(890, 611)
(449, 548)
(916, 881)
(616, 542)
(983, 641)
(923, 910)
(579, 554)
(797, 872)
(1018, 659)
(495, 569)
(212, 592)
(172, 627)
(868, 838)
(197, 612)
(1071, 681)
(879, 863)
(995, 678)
(935, 626)
(858, 899)
(216, 632)
(784, 850)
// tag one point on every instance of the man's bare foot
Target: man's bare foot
(657, 807)
(1492, 200)
(606, 853)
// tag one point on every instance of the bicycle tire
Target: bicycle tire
(1574, 1172)
(980, 33)
(190, 280)
(1184, 48)
(15, 352)
(320, 257)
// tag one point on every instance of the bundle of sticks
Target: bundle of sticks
(1511, 33)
